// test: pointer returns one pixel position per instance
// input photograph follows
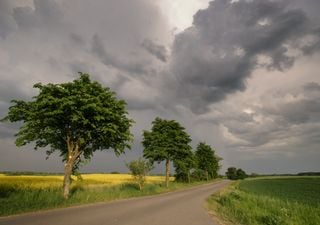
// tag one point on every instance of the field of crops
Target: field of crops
(49, 181)
(31, 193)
(276, 201)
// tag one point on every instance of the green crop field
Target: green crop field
(273, 201)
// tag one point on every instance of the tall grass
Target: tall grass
(289, 201)
(31, 193)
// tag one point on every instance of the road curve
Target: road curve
(175, 208)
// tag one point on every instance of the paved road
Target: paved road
(176, 208)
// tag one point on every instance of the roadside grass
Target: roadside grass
(279, 201)
(19, 194)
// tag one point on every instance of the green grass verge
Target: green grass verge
(15, 200)
(280, 201)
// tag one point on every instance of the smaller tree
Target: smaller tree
(235, 174)
(231, 173)
(207, 160)
(183, 167)
(166, 141)
(241, 174)
(139, 170)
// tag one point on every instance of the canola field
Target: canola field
(48, 181)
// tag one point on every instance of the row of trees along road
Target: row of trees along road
(80, 117)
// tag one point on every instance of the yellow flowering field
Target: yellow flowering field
(43, 182)
(113, 179)
(24, 182)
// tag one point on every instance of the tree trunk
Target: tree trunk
(140, 186)
(207, 175)
(73, 154)
(189, 176)
(167, 172)
(67, 178)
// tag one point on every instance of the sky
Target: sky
(241, 75)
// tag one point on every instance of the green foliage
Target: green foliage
(241, 174)
(207, 160)
(231, 173)
(75, 118)
(81, 112)
(198, 175)
(183, 166)
(276, 201)
(168, 141)
(235, 174)
(139, 170)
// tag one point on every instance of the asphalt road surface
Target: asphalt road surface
(176, 208)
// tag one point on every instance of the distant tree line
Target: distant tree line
(285, 174)
(309, 174)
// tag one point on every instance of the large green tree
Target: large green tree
(76, 119)
(167, 141)
(207, 160)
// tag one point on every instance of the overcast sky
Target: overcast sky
(242, 76)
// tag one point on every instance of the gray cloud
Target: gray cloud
(98, 49)
(228, 41)
(312, 86)
(281, 119)
(45, 15)
(159, 51)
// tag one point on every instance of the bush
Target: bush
(199, 175)
(139, 170)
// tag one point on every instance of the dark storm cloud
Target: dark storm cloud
(301, 111)
(228, 41)
(159, 51)
(130, 66)
(55, 36)
(284, 119)
(312, 86)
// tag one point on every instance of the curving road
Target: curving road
(181, 208)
